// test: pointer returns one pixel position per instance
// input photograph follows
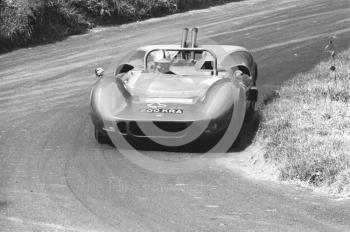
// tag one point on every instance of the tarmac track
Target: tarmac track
(55, 177)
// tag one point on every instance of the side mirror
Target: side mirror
(99, 72)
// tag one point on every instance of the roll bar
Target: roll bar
(215, 65)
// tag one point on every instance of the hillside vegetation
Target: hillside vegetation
(24, 22)
(306, 128)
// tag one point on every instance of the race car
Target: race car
(176, 93)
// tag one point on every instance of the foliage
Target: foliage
(24, 22)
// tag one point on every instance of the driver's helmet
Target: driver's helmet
(162, 62)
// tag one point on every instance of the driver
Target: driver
(162, 64)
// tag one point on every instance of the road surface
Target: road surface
(55, 177)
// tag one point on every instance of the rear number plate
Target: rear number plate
(162, 111)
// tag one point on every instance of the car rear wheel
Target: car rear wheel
(101, 137)
(250, 111)
(252, 97)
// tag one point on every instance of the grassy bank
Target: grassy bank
(27, 22)
(305, 130)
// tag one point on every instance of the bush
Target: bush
(55, 18)
(108, 11)
(16, 26)
(32, 21)
(190, 4)
(24, 22)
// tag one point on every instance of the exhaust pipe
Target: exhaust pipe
(184, 38)
(194, 34)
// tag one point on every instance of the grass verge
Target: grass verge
(305, 129)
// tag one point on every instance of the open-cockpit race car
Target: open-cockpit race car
(176, 92)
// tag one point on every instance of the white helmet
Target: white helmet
(162, 61)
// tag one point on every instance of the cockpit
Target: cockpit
(175, 61)
(187, 60)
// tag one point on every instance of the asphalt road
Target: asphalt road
(55, 177)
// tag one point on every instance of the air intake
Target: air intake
(194, 34)
(184, 38)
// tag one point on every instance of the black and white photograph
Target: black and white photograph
(174, 115)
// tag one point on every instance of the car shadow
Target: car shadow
(247, 134)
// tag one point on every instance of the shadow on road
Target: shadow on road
(247, 133)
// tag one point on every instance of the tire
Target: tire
(101, 137)
(249, 114)
(252, 97)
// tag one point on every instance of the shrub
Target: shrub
(16, 26)
(24, 22)
(124, 10)
(55, 19)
